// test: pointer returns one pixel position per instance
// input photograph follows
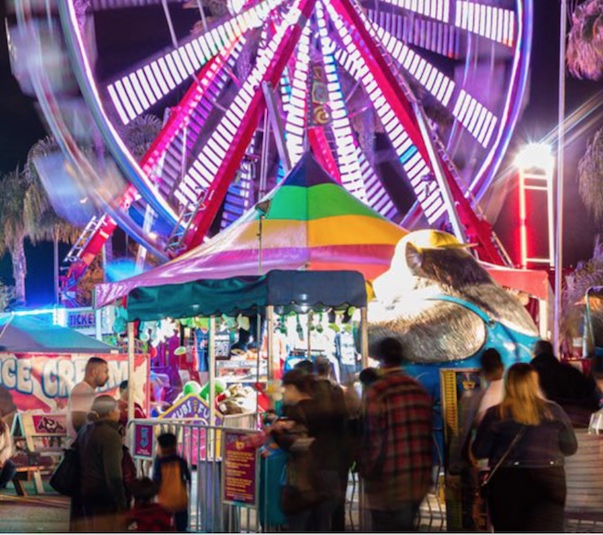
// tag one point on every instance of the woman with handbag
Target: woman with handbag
(100, 451)
(525, 439)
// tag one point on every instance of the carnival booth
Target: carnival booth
(204, 431)
(308, 222)
(39, 364)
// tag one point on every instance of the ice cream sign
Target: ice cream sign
(35, 381)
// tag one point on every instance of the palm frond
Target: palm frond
(585, 41)
(590, 176)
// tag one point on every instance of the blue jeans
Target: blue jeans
(7, 472)
(401, 519)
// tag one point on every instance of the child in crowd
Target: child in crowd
(171, 473)
(147, 515)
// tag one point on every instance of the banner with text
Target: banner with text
(42, 382)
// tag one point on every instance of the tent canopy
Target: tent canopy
(23, 334)
(312, 224)
(285, 290)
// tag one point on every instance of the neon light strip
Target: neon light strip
(437, 83)
(438, 37)
(347, 155)
(238, 198)
(136, 92)
(475, 117)
(412, 162)
(193, 105)
(435, 9)
(205, 167)
(296, 109)
(494, 23)
(105, 5)
(191, 116)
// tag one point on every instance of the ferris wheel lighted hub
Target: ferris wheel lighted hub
(329, 63)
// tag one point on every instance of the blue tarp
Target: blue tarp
(23, 334)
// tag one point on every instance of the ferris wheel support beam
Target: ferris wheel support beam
(230, 163)
(477, 230)
(277, 125)
(438, 171)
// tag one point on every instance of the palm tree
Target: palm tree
(42, 222)
(586, 275)
(13, 228)
(7, 295)
(590, 176)
(585, 41)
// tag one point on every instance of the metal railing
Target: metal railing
(201, 446)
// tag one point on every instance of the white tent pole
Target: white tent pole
(211, 342)
(364, 336)
(258, 334)
(270, 341)
(131, 381)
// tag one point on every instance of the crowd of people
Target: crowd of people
(514, 435)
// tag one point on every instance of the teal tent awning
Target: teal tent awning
(285, 290)
(23, 334)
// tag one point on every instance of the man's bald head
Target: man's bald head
(97, 372)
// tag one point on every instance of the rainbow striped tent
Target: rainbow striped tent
(311, 223)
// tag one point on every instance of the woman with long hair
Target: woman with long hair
(532, 435)
(99, 445)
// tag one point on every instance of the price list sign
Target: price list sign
(239, 474)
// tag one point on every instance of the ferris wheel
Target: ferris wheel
(382, 91)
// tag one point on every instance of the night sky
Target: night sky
(20, 127)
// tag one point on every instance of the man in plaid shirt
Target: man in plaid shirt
(396, 460)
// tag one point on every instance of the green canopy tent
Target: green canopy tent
(278, 290)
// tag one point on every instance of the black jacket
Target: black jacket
(541, 445)
(567, 386)
(100, 453)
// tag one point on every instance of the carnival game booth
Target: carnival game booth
(221, 502)
(39, 364)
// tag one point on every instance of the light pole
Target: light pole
(262, 207)
(535, 165)
(560, 174)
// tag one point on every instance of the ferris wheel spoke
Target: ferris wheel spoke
(108, 5)
(434, 9)
(467, 110)
(432, 35)
(167, 156)
(497, 24)
(393, 116)
(296, 103)
(218, 160)
(337, 115)
(136, 92)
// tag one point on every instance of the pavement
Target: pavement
(44, 513)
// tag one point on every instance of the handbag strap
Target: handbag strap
(517, 438)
